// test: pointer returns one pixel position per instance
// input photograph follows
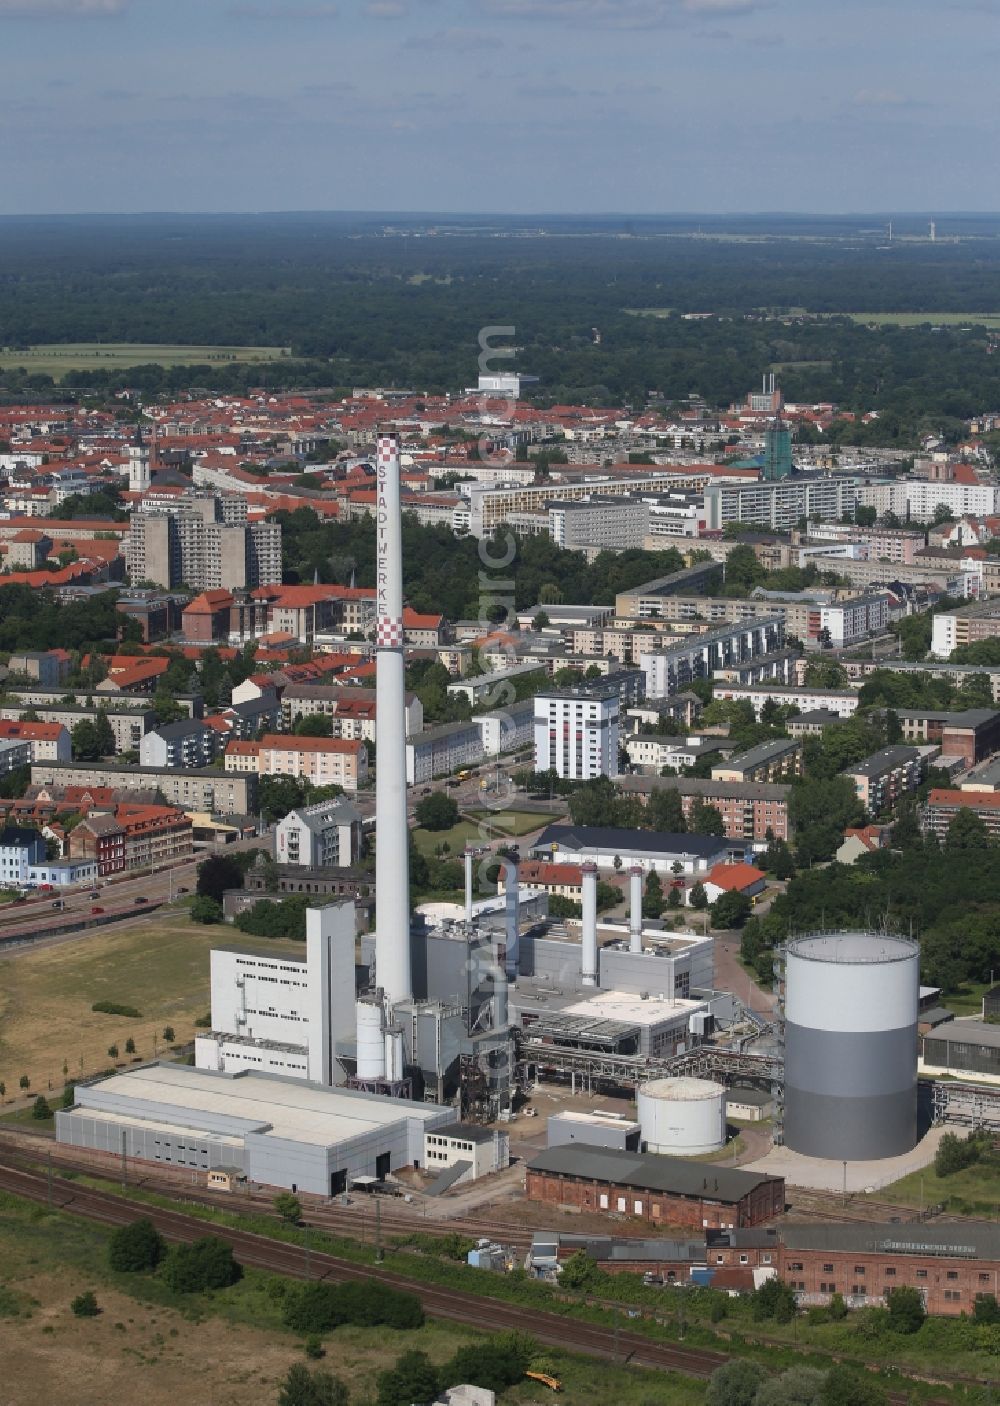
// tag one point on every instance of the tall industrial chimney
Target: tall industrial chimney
(512, 896)
(589, 935)
(469, 856)
(392, 868)
(635, 909)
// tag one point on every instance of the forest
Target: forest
(358, 307)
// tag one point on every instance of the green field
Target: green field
(974, 1191)
(56, 358)
(917, 319)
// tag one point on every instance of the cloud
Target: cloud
(462, 41)
(278, 11)
(621, 14)
(881, 97)
(48, 9)
(386, 9)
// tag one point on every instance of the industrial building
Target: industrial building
(648, 850)
(276, 1131)
(594, 1129)
(658, 1190)
(850, 1013)
(965, 1047)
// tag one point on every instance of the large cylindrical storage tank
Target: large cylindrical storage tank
(851, 1045)
(682, 1117)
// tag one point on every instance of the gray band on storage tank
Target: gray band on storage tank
(821, 1062)
(851, 1129)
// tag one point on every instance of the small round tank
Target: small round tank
(682, 1117)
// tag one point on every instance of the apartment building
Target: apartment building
(48, 742)
(650, 600)
(324, 761)
(351, 710)
(20, 848)
(770, 761)
(129, 722)
(881, 779)
(651, 753)
(965, 625)
(323, 835)
(780, 503)
(196, 545)
(917, 499)
(671, 669)
(599, 522)
(576, 731)
(185, 743)
(132, 837)
(749, 810)
(842, 701)
(944, 803)
(206, 789)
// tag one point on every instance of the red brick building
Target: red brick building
(951, 1265)
(206, 618)
(661, 1191)
(749, 809)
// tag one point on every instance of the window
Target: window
(828, 1269)
(890, 1273)
(744, 1259)
(859, 1269)
(621, 1203)
(921, 1274)
(952, 1274)
(603, 1201)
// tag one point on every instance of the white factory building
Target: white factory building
(283, 1015)
(616, 849)
(576, 731)
(277, 1132)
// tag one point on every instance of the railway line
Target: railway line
(256, 1251)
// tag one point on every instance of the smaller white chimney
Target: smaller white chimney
(589, 934)
(469, 855)
(635, 909)
(394, 1061)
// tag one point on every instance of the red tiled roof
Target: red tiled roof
(735, 877)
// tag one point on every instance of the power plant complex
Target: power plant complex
(338, 1065)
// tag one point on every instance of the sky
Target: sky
(556, 106)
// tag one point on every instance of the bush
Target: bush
(838, 1308)
(204, 1264)
(168, 1034)
(85, 1305)
(113, 1008)
(206, 910)
(313, 1347)
(436, 811)
(413, 1379)
(40, 1108)
(906, 1309)
(986, 1309)
(844, 1386)
(288, 1207)
(871, 1323)
(135, 1247)
(954, 1154)
(735, 1383)
(304, 1388)
(316, 1308)
(494, 1364)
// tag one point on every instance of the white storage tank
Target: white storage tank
(682, 1117)
(371, 1039)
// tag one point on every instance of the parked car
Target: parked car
(140, 900)
(182, 889)
(94, 894)
(96, 909)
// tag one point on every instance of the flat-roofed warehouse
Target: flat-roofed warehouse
(281, 1132)
(659, 1190)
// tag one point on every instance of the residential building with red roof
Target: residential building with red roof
(49, 742)
(324, 761)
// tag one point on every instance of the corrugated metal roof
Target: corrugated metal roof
(649, 1172)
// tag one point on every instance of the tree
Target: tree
(954, 1154)
(906, 1309)
(735, 1383)
(112, 1052)
(731, 910)
(706, 819)
(665, 811)
(774, 1299)
(986, 1309)
(436, 811)
(698, 898)
(168, 1034)
(85, 743)
(85, 1305)
(674, 899)
(40, 1108)
(24, 1082)
(217, 874)
(207, 1263)
(313, 725)
(205, 910)
(288, 1207)
(967, 831)
(136, 1247)
(652, 900)
(825, 673)
(846, 1386)
(580, 1271)
(413, 1379)
(304, 1388)
(130, 1046)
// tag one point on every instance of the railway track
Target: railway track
(257, 1251)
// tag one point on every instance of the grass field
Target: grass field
(973, 1191)
(56, 358)
(159, 965)
(489, 825)
(230, 1343)
(916, 319)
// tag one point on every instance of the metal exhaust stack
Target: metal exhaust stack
(635, 909)
(589, 935)
(392, 876)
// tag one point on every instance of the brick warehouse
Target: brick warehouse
(951, 1265)
(658, 1190)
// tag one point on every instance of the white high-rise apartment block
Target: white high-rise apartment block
(576, 731)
